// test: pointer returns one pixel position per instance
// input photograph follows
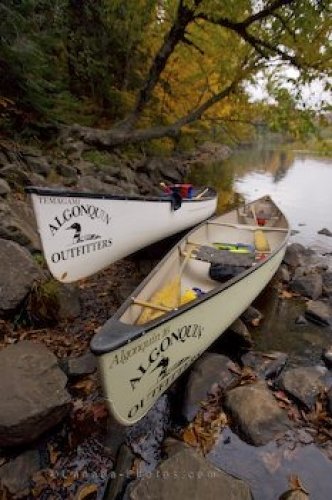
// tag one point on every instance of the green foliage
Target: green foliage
(42, 305)
(85, 61)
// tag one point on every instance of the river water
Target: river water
(301, 185)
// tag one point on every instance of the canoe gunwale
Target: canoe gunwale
(115, 334)
(210, 195)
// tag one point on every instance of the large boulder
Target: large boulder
(296, 255)
(210, 369)
(319, 311)
(32, 393)
(16, 474)
(310, 286)
(18, 272)
(188, 475)
(304, 384)
(265, 365)
(256, 413)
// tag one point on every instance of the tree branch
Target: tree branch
(175, 35)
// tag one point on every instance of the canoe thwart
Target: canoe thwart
(246, 226)
(151, 305)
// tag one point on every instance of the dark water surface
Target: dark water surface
(301, 185)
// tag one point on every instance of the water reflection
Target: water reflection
(299, 184)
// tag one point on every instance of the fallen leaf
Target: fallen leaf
(85, 491)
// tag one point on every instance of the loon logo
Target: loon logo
(78, 237)
(163, 364)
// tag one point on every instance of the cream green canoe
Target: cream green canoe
(82, 233)
(186, 303)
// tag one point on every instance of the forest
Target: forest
(119, 72)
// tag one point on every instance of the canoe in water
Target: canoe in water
(195, 293)
(82, 233)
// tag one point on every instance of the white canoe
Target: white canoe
(82, 233)
(139, 357)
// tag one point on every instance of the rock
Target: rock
(304, 384)
(17, 223)
(32, 393)
(265, 365)
(188, 475)
(39, 165)
(327, 283)
(256, 413)
(294, 495)
(119, 477)
(210, 369)
(327, 356)
(252, 316)
(329, 400)
(325, 231)
(92, 184)
(171, 446)
(283, 274)
(309, 286)
(238, 329)
(66, 170)
(18, 272)
(4, 187)
(68, 298)
(27, 226)
(82, 365)
(15, 175)
(296, 255)
(300, 320)
(319, 312)
(15, 475)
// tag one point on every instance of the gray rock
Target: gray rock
(188, 475)
(4, 187)
(252, 316)
(327, 357)
(300, 320)
(32, 393)
(283, 274)
(294, 495)
(15, 175)
(266, 365)
(304, 384)
(239, 330)
(15, 475)
(256, 413)
(92, 184)
(327, 283)
(82, 365)
(39, 165)
(329, 400)
(17, 223)
(296, 255)
(18, 272)
(66, 170)
(325, 231)
(68, 298)
(210, 369)
(309, 286)
(319, 312)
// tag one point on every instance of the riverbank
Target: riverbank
(231, 403)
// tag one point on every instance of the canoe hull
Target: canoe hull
(81, 235)
(135, 375)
